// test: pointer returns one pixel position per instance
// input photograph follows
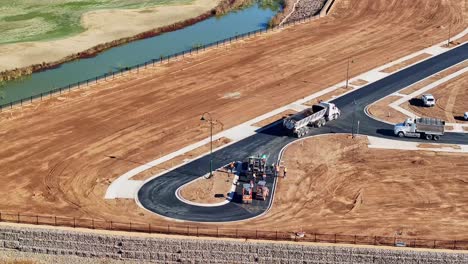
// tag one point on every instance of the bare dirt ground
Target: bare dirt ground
(451, 101)
(336, 184)
(208, 191)
(275, 118)
(54, 156)
(329, 96)
(383, 111)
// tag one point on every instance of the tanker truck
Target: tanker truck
(428, 128)
(316, 116)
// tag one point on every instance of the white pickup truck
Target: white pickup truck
(428, 100)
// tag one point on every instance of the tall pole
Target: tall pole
(450, 33)
(347, 75)
(211, 146)
(354, 116)
(211, 139)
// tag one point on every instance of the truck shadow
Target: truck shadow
(460, 118)
(416, 102)
(385, 132)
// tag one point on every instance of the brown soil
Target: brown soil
(436, 77)
(208, 191)
(359, 82)
(275, 118)
(406, 63)
(451, 98)
(426, 145)
(180, 159)
(336, 184)
(54, 156)
(383, 111)
(328, 96)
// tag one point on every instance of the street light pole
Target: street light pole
(211, 139)
(354, 116)
(450, 33)
(347, 73)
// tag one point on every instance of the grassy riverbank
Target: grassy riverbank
(31, 20)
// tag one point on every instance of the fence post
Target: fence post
(37, 219)
(55, 220)
(256, 234)
(197, 231)
(432, 247)
(236, 234)
(110, 225)
(168, 229)
(18, 217)
(74, 222)
(149, 228)
(335, 238)
(315, 237)
(93, 222)
(217, 231)
(354, 239)
(454, 244)
(188, 230)
(375, 240)
(276, 236)
(130, 226)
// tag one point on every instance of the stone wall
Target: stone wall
(174, 250)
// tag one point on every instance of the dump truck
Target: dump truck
(428, 128)
(316, 116)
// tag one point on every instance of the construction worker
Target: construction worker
(277, 169)
(284, 172)
(254, 176)
(231, 167)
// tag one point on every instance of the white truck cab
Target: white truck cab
(428, 128)
(428, 100)
(465, 116)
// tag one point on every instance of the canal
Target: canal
(214, 29)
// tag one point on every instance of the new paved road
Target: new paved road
(158, 195)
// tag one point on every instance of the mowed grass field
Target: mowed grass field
(33, 20)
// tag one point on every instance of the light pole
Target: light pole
(450, 33)
(211, 139)
(354, 116)
(347, 72)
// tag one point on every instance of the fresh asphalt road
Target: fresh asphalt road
(158, 194)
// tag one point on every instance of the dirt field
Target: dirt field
(341, 186)
(54, 156)
(383, 111)
(451, 98)
(209, 191)
(275, 118)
